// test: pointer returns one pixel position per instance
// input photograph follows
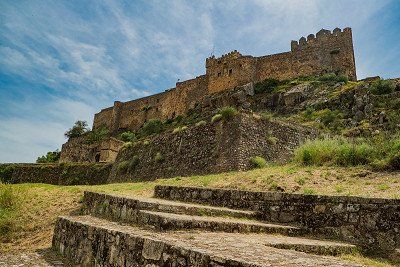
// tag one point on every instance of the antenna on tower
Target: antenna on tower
(212, 52)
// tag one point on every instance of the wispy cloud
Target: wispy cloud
(65, 60)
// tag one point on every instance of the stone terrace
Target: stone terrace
(122, 231)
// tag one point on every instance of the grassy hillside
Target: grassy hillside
(28, 211)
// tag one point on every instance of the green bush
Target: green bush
(79, 128)
(382, 87)
(123, 166)
(133, 163)
(97, 135)
(216, 117)
(159, 157)
(266, 116)
(201, 123)
(179, 129)
(272, 140)
(51, 156)
(227, 113)
(258, 162)
(146, 108)
(339, 151)
(6, 172)
(153, 126)
(266, 86)
(128, 136)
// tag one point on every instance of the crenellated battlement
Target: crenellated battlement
(320, 37)
(225, 57)
(324, 52)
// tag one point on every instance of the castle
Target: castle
(324, 52)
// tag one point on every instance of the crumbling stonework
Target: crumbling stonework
(78, 150)
(323, 53)
(211, 148)
(374, 224)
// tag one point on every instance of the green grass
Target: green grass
(8, 209)
(258, 162)
(227, 113)
(341, 151)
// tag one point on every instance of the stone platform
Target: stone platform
(123, 231)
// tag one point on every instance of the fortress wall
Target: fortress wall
(326, 52)
(104, 117)
(229, 71)
(321, 53)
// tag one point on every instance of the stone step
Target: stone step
(124, 208)
(170, 221)
(90, 241)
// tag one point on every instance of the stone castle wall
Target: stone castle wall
(325, 52)
(211, 148)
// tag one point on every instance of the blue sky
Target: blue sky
(61, 61)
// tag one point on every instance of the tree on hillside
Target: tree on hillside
(51, 156)
(79, 128)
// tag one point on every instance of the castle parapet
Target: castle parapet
(210, 61)
(322, 36)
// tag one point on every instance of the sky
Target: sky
(62, 61)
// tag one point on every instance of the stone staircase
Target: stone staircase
(122, 231)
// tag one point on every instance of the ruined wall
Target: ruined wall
(78, 150)
(325, 52)
(211, 148)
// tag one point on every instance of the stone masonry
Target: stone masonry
(324, 52)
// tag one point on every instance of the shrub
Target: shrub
(123, 166)
(51, 156)
(133, 163)
(6, 173)
(128, 145)
(128, 136)
(227, 113)
(394, 161)
(258, 162)
(216, 117)
(146, 142)
(339, 151)
(151, 127)
(179, 129)
(201, 123)
(308, 113)
(146, 108)
(79, 128)
(266, 116)
(97, 135)
(333, 78)
(266, 86)
(159, 157)
(382, 87)
(272, 140)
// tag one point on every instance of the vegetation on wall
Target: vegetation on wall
(79, 128)
(50, 157)
(382, 87)
(97, 135)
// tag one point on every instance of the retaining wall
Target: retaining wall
(372, 223)
(58, 174)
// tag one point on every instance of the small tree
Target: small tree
(51, 156)
(79, 128)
